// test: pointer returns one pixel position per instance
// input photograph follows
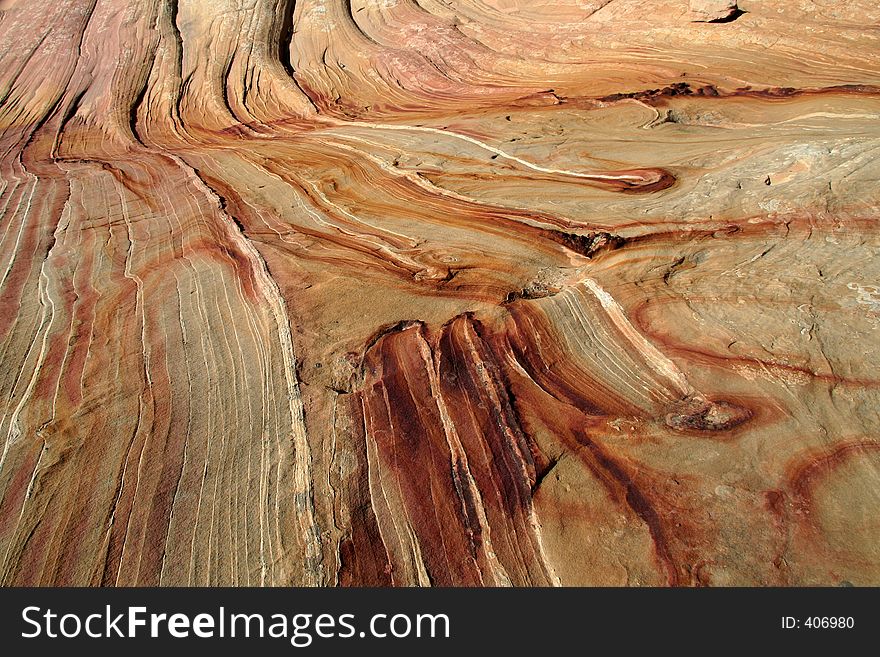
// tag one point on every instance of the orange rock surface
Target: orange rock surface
(450, 292)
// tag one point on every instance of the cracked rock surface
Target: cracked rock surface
(423, 292)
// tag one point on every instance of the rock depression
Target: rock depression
(434, 292)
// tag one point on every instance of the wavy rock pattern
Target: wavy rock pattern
(411, 292)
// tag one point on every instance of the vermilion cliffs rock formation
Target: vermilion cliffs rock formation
(452, 292)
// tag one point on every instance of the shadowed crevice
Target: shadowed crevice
(736, 13)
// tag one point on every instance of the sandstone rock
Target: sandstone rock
(713, 11)
(458, 293)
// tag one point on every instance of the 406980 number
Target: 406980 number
(825, 622)
(819, 622)
(830, 622)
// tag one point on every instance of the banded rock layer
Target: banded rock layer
(413, 292)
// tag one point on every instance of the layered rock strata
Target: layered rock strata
(398, 292)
